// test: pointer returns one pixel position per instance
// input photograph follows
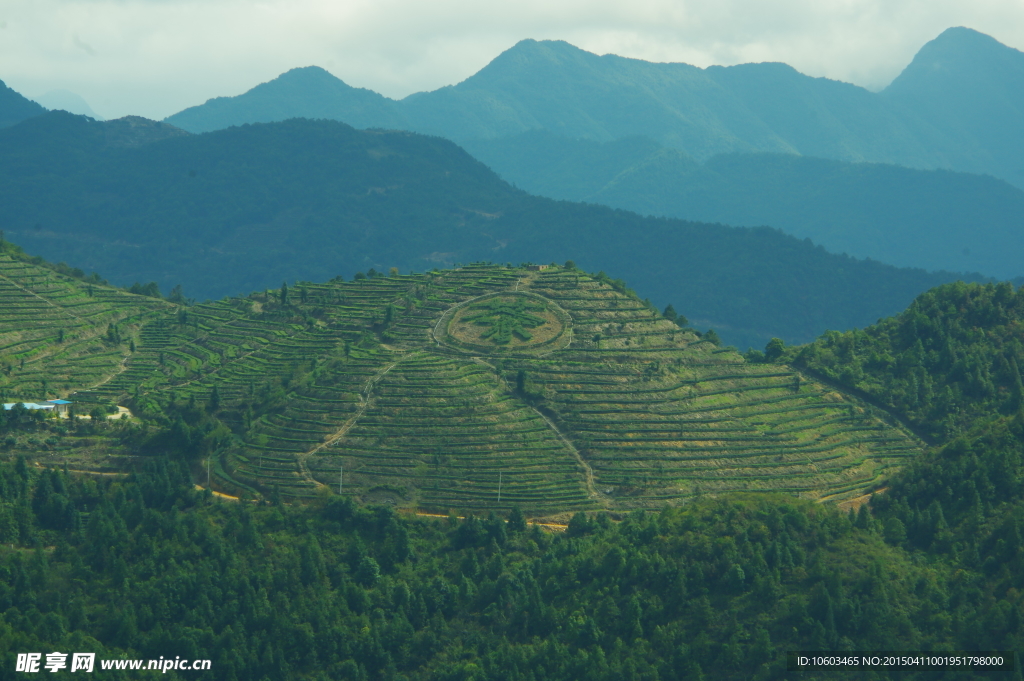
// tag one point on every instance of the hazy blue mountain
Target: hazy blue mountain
(933, 219)
(961, 116)
(970, 83)
(15, 108)
(554, 86)
(65, 100)
(308, 92)
(245, 208)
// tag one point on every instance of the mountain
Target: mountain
(308, 92)
(553, 86)
(246, 208)
(737, 145)
(969, 84)
(15, 108)
(65, 100)
(932, 219)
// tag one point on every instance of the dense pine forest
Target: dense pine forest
(719, 589)
(952, 358)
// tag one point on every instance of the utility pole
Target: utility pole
(499, 487)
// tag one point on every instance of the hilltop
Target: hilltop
(553, 390)
(59, 327)
(969, 84)
(65, 100)
(246, 208)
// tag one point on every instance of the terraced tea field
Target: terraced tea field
(55, 331)
(473, 389)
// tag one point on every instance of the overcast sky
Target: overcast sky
(155, 57)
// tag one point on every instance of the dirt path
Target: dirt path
(117, 474)
(220, 495)
(856, 502)
(558, 527)
(364, 399)
(588, 471)
(121, 368)
(48, 302)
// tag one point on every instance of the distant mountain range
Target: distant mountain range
(933, 219)
(956, 106)
(246, 208)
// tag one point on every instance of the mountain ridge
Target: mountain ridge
(745, 108)
(15, 107)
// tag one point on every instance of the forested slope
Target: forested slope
(933, 219)
(243, 209)
(953, 357)
(722, 588)
(951, 365)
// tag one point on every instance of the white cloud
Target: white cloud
(155, 57)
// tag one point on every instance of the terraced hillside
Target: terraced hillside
(59, 334)
(482, 388)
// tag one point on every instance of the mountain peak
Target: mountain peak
(65, 100)
(531, 55)
(973, 85)
(962, 36)
(958, 57)
(309, 74)
(304, 92)
(15, 108)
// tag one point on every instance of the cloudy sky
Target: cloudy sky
(156, 57)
